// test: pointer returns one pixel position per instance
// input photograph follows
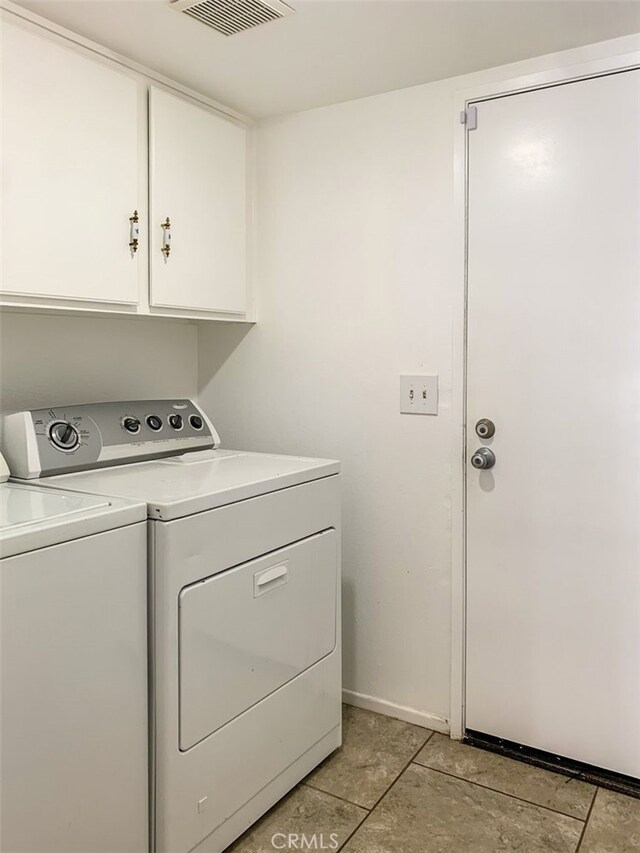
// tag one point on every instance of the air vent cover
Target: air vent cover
(233, 16)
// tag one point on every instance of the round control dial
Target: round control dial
(131, 425)
(64, 435)
(195, 421)
(175, 421)
(154, 423)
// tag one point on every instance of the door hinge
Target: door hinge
(470, 117)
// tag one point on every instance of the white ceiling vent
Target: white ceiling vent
(233, 16)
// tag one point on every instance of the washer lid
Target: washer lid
(31, 517)
(174, 488)
(23, 505)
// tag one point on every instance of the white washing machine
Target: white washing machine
(245, 607)
(74, 725)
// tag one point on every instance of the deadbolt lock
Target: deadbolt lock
(485, 428)
(483, 459)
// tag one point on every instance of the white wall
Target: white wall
(46, 360)
(355, 270)
(358, 276)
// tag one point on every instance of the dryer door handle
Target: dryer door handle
(269, 579)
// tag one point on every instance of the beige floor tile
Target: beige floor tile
(613, 826)
(319, 817)
(561, 793)
(429, 812)
(375, 751)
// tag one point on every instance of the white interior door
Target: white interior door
(553, 533)
(198, 180)
(69, 173)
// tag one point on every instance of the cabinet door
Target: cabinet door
(70, 173)
(198, 179)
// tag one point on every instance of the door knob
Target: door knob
(485, 428)
(483, 459)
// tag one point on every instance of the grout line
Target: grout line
(386, 791)
(336, 796)
(586, 823)
(504, 793)
(359, 805)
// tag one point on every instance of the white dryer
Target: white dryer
(74, 727)
(245, 589)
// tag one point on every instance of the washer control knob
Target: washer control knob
(64, 435)
(131, 424)
(154, 423)
(195, 421)
(175, 421)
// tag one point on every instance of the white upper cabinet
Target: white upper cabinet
(198, 181)
(70, 173)
(79, 162)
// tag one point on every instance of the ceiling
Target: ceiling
(336, 50)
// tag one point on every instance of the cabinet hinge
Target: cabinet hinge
(470, 117)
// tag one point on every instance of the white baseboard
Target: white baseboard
(400, 712)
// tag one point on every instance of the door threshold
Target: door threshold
(556, 763)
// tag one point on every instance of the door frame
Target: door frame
(602, 59)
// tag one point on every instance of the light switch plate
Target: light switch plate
(419, 395)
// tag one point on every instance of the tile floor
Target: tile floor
(398, 788)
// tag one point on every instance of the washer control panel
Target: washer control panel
(63, 439)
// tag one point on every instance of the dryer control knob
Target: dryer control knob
(195, 421)
(131, 424)
(175, 421)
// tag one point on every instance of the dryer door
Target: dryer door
(249, 630)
